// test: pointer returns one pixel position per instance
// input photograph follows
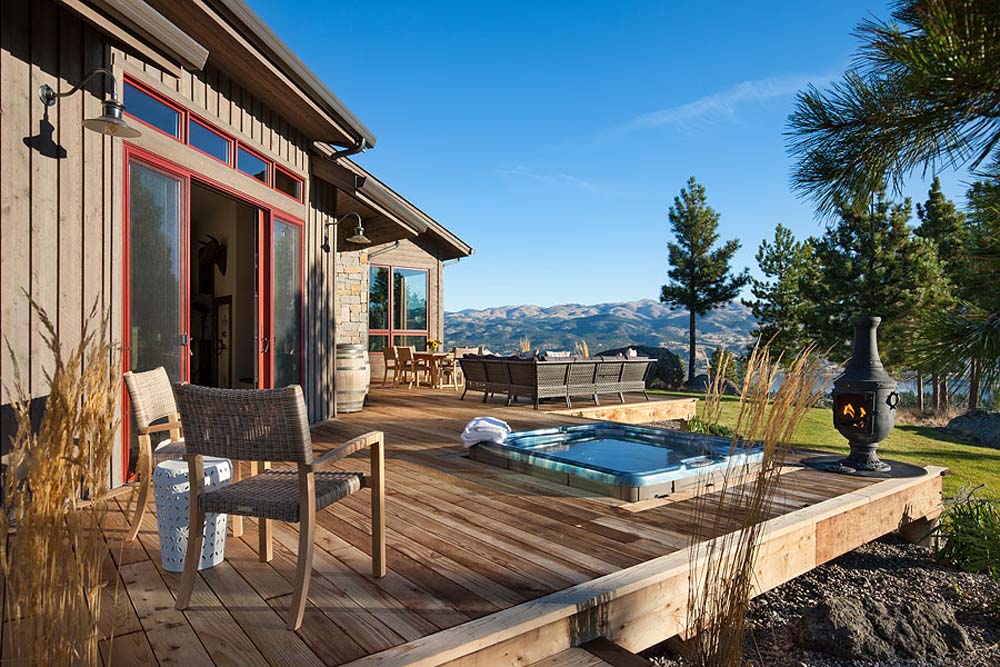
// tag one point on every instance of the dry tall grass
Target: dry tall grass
(52, 559)
(582, 349)
(525, 344)
(730, 519)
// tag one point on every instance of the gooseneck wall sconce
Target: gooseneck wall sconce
(110, 122)
(359, 232)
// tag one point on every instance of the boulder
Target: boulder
(979, 425)
(668, 374)
(866, 629)
(699, 384)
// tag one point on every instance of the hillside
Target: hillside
(603, 326)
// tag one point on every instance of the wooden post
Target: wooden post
(921, 532)
(378, 506)
(920, 392)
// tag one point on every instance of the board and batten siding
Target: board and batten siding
(60, 227)
(61, 194)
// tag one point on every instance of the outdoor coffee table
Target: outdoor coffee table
(173, 512)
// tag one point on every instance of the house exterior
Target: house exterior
(217, 239)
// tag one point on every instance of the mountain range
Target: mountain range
(603, 326)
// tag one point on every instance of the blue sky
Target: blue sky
(553, 136)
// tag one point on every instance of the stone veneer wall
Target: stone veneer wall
(352, 297)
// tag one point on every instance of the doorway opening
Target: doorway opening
(222, 248)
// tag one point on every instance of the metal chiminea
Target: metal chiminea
(864, 401)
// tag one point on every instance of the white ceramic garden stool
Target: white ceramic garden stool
(173, 512)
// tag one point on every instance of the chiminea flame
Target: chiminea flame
(850, 412)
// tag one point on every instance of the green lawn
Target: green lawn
(969, 464)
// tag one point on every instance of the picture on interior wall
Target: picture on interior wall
(223, 339)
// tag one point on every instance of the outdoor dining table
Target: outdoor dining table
(434, 362)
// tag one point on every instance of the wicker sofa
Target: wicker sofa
(563, 378)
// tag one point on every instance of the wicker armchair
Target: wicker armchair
(151, 398)
(263, 426)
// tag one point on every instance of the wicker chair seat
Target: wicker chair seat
(274, 494)
(169, 449)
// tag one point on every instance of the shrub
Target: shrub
(970, 534)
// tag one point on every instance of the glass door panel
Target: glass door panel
(286, 300)
(156, 206)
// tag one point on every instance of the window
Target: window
(251, 165)
(145, 106)
(151, 111)
(409, 298)
(285, 182)
(397, 307)
(209, 141)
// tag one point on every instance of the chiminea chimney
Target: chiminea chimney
(864, 401)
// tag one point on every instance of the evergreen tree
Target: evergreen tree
(870, 263)
(778, 305)
(700, 276)
(922, 90)
(944, 225)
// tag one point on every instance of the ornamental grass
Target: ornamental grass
(56, 490)
(730, 514)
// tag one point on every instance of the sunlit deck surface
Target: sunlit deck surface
(472, 550)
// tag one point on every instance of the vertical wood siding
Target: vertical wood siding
(320, 328)
(56, 217)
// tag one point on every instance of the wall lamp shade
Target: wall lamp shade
(357, 238)
(111, 121)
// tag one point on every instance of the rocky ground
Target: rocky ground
(903, 601)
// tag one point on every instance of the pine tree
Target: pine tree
(943, 224)
(869, 262)
(700, 276)
(777, 304)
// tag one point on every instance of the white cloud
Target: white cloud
(550, 177)
(724, 103)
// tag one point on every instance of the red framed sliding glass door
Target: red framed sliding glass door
(155, 267)
(161, 302)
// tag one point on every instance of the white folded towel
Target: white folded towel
(485, 429)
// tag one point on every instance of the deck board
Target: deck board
(467, 543)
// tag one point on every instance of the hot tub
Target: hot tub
(620, 460)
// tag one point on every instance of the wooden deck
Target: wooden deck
(486, 567)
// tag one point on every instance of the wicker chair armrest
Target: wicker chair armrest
(365, 441)
(158, 428)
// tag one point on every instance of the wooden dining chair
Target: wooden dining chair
(410, 367)
(151, 398)
(270, 425)
(391, 357)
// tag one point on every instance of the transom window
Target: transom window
(397, 307)
(153, 109)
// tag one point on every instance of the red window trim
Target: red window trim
(297, 179)
(392, 332)
(230, 152)
(162, 99)
(270, 163)
(186, 117)
(131, 153)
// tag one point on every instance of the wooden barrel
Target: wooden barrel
(352, 375)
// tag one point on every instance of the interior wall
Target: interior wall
(232, 223)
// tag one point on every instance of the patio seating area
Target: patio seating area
(485, 566)
(537, 379)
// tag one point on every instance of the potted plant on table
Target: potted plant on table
(433, 344)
